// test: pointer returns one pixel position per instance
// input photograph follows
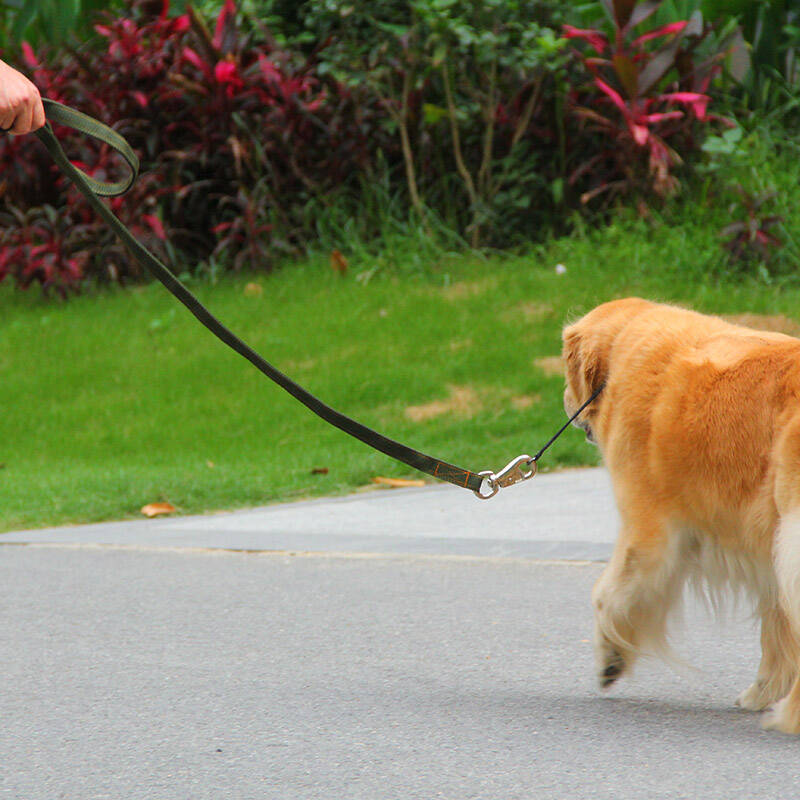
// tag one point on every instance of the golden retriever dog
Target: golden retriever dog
(699, 427)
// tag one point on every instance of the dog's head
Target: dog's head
(587, 354)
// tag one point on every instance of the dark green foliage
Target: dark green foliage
(52, 21)
(472, 91)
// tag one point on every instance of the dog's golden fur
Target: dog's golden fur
(699, 426)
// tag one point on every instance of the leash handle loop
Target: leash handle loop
(70, 118)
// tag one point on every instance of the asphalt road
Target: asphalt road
(130, 671)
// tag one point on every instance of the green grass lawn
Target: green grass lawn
(118, 399)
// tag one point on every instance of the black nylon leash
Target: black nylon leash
(93, 189)
(569, 422)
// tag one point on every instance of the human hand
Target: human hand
(21, 108)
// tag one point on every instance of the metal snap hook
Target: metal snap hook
(513, 472)
(522, 468)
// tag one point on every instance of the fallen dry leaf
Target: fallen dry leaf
(319, 471)
(338, 262)
(397, 483)
(156, 509)
(254, 290)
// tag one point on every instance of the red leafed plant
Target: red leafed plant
(647, 99)
(750, 238)
(38, 246)
(234, 134)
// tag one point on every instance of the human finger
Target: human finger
(39, 119)
(7, 118)
(22, 124)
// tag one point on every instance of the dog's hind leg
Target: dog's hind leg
(778, 666)
(633, 597)
(785, 714)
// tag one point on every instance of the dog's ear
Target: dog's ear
(594, 370)
(572, 355)
(585, 363)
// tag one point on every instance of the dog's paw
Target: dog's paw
(612, 667)
(781, 717)
(754, 698)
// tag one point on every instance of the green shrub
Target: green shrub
(52, 21)
(472, 90)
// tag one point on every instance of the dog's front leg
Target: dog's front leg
(633, 597)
